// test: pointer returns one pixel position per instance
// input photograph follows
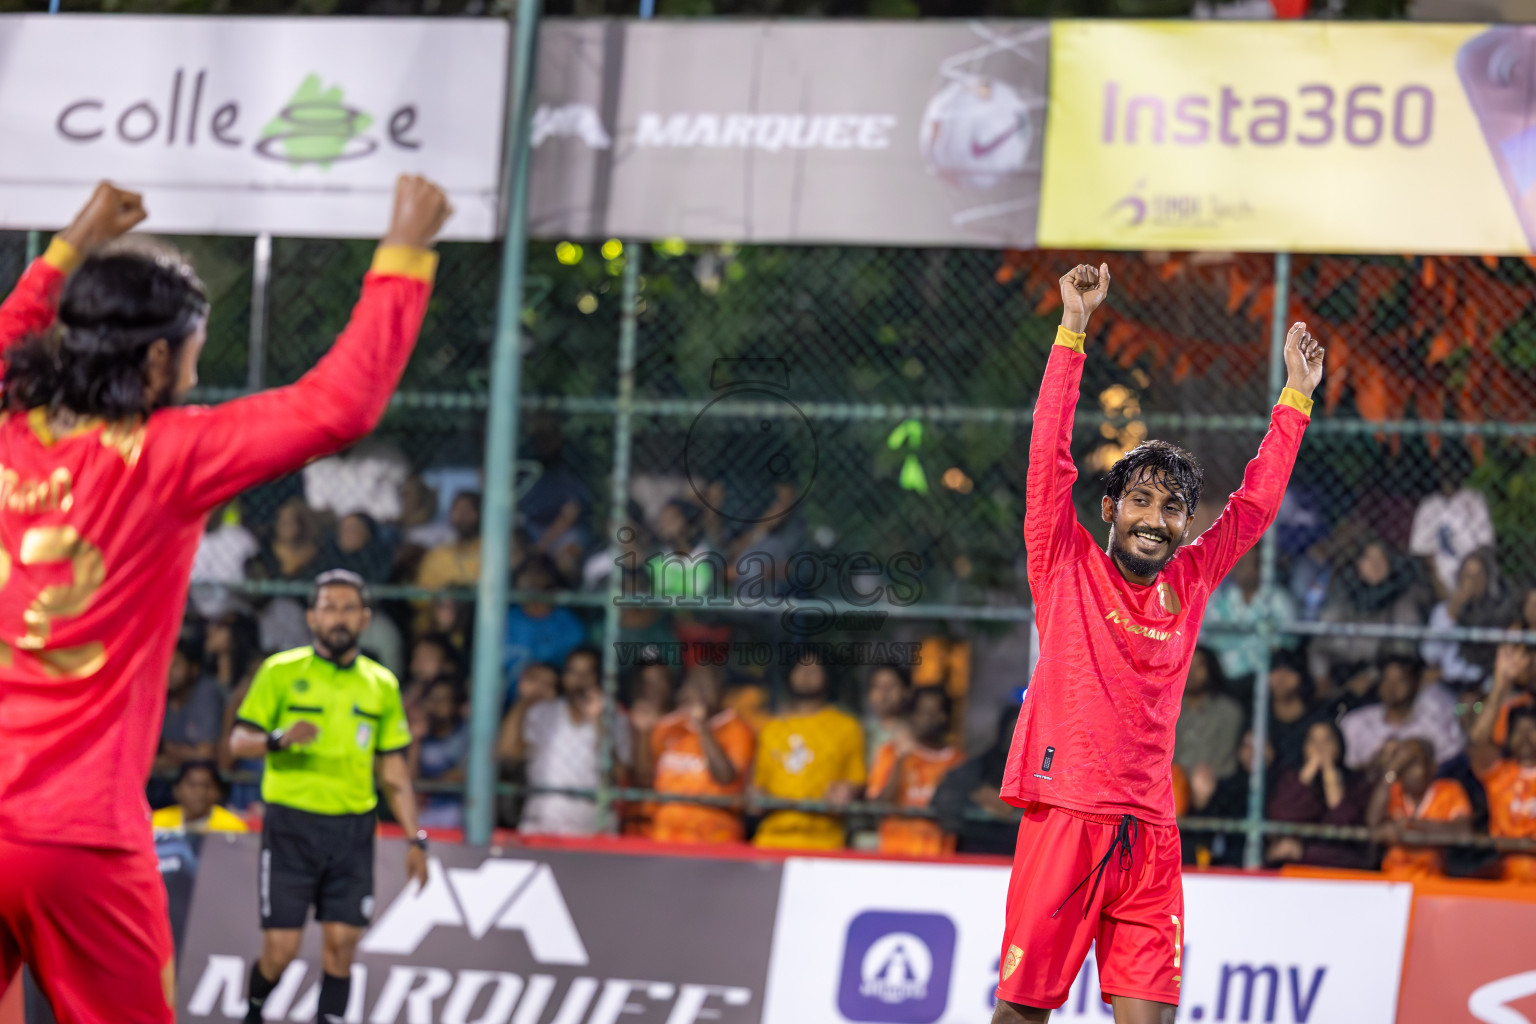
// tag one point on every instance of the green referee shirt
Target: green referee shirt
(358, 712)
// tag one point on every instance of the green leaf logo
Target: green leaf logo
(316, 127)
(907, 431)
(912, 476)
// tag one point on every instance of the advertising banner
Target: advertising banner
(294, 126)
(532, 936)
(1470, 959)
(1318, 137)
(840, 132)
(890, 943)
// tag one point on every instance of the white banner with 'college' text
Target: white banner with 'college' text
(294, 126)
(1263, 949)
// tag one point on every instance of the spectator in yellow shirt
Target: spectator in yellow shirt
(457, 563)
(811, 751)
(198, 790)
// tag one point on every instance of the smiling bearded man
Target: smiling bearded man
(1091, 755)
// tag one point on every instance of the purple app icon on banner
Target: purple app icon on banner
(896, 968)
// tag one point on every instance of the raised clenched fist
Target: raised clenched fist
(110, 213)
(1082, 291)
(421, 210)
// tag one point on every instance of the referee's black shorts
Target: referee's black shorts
(320, 859)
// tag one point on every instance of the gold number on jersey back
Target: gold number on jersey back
(43, 545)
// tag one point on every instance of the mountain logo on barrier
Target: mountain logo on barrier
(896, 967)
(512, 895)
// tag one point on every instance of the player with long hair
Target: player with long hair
(1097, 860)
(104, 489)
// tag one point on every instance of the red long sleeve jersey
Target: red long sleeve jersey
(97, 534)
(1096, 730)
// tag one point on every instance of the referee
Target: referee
(324, 717)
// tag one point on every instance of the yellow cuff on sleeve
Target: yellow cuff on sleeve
(404, 261)
(1296, 400)
(1069, 339)
(62, 256)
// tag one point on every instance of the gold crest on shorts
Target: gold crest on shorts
(1011, 962)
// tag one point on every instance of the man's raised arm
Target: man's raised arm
(1254, 505)
(207, 455)
(1050, 519)
(34, 302)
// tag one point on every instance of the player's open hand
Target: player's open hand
(1511, 664)
(110, 213)
(421, 210)
(1303, 359)
(1082, 290)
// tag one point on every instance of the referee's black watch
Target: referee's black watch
(275, 740)
(419, 840)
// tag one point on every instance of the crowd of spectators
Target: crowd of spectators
(1402, 737)
(1422, 738)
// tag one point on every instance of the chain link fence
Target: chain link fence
(882, 397)
(828, 447)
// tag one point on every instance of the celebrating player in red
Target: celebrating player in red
(104, 490)
(1098, 852)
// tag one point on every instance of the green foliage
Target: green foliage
(1507, 478)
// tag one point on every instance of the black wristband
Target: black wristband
(275, 740)
(419, 840)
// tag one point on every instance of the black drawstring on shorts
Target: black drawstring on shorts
(1125, 839)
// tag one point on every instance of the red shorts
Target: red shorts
(1135, 919)
(94, 928)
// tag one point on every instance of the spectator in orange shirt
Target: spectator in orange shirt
(1509, 775)
(886, 699)
(699, 749)
(908, 769)
(650, 697)
(1180, 792)
(1409, 800)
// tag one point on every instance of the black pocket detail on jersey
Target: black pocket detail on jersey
(364, 714)
(306, 709)
(1050, 755)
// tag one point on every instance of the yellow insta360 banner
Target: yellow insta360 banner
(1320, 137)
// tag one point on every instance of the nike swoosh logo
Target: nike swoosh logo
(983, 148)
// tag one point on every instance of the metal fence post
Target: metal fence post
(1253, 852)
(501, 442)
(261, 275)
(622, 443)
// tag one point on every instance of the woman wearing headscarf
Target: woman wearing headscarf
(294, 549)
(1481, 599)
(357, 546)
(1379, 588)
(1321, 791)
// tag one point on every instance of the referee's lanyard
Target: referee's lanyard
(1124, 844)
